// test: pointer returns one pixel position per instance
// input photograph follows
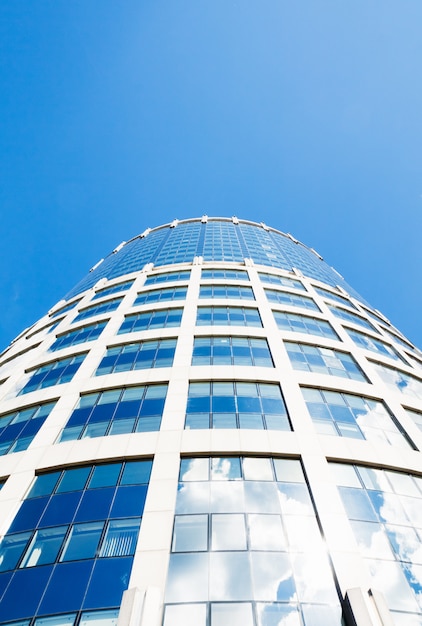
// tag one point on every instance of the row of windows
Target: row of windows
(236, 405)
(54, 373)
(230, 291)
(374, 345)
(137, 356)
(18, 428)
(117, 411)
(215, 274)
(251, 614)
(210, 405)
(207, 350)
(79, 335)
(231, 351)
(150, 320)
(167, 277)
(347, 415)
(216, 315)
(323, 361)
(108, 291)
(227, 316)
(98, 309)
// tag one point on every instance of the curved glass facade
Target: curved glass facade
(213, 428)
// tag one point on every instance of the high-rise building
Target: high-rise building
(211, 429)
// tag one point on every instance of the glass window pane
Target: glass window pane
(235, 614)
(82, 541)
(288, 470)
(357, 504)
(274, 614)
(226, 468)
(372, 540)
(108, 582)
(187, 578)
(185, 615)
(320, 615)
(73, 479)
(99, 618)
(266, 532)
(228, 532)
(230, 576)
(272, 576)
(43, 485)
(226, 497)
(44, 546)
(136, 472)
(261, 496)
(11, 549)
(295, 499)
(129, 501)
(105, 475)
(95, 504)
(190, 533)
(257, 469)
(313, 577)
(56, 620)
(120, 539)
(194, 469)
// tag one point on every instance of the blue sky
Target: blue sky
(118, 115)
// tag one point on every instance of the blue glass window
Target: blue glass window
(60, 553)
(77, 336)
(55, 373)
(258, 533)
(116, 411)
(66, 308)
(323, 361)
(18, 428)
(108, 291)
(137, 356)
(291, 299)
(226, 291)
(228, 316)
(384, 508)
(347, 316)
(222, 274)
(167, 277)
(325, 293)
(283, 281)
(400, 340)
(98, 309)
(374, 345)
(236, 405)
(303, 324)
(161, 295)
(346, 415)
(231, 351)
(149, 320)
(400, 381)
